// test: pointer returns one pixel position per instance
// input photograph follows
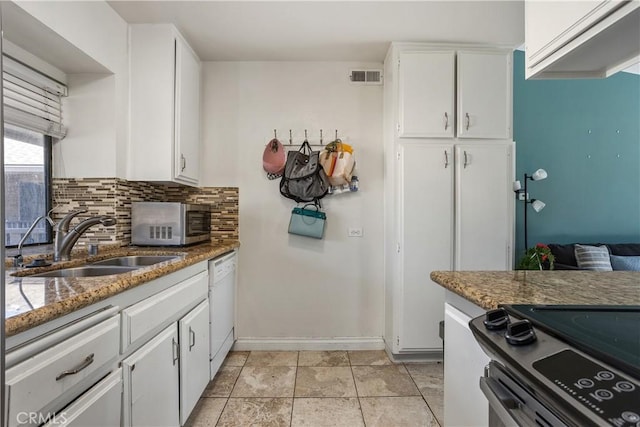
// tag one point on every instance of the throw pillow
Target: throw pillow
(628, 263)
(594, 258)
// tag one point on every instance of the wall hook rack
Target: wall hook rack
(306, 137)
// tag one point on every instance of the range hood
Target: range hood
(600, 43)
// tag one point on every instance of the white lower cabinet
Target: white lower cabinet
(194, 357)
(39, 386)
(144, 365)
(425, 244)
(164, 378)
(151, 388)
(98, 407)
(484, 206)
(464, 362)
(453, 210)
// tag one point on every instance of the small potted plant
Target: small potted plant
(537, 258)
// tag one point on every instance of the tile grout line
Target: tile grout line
(353, 376)
(234, 386)
(295, 381)
(422, 395)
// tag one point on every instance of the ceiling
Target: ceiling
(327, 30)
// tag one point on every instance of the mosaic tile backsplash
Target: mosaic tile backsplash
(113, 197)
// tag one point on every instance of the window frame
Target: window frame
(48, 186)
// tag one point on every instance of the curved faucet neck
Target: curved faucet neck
(63, 225)
(65, 240)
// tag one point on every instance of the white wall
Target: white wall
(99, 32)
(292, 286)
(88, 150)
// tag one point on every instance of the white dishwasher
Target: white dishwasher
(222, 287)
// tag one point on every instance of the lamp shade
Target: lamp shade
(539, 175)
(537, 205)
(516, 185)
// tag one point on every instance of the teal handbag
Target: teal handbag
(307, 222)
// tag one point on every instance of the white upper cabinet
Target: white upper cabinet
(580, 39)
(484, 94)
(426, 94)
(165, 106)
(187, 115)
(430, 81)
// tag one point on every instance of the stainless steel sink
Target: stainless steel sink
(86, 271)
(136, 261)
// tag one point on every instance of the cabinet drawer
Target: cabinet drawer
(39, 380)
(154, 313)
(100, 406)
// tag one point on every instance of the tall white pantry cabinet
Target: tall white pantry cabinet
(449, 169)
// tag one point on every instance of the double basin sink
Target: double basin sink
(110, 266)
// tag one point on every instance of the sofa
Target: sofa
(565, 257)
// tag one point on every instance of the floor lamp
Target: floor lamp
(523, 194)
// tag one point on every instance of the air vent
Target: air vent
(366, 77)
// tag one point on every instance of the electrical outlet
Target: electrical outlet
(354, 232)
(521, 196)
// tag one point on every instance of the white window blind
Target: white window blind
(32, 100)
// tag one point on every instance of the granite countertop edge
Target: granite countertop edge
(488, 289)
(109, 285)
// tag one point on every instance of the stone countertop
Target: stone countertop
(32, 301)
(490, 288)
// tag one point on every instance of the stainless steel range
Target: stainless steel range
(561, 365)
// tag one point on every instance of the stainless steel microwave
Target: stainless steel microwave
(169, 223)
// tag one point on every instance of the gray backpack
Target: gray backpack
(304, 179)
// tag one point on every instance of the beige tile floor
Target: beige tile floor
(321, 388)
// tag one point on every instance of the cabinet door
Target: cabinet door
(151, 393)
(194, 358)
(426, 230)
(484, 95)
(484, 206)
(187, 137)
(426, 94)
(464, 362)
(99, 406)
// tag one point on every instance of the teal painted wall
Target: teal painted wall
(586, 135)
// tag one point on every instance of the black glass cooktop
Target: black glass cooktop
(609, 333)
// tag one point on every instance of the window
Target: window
(27, 181)
(32, 118)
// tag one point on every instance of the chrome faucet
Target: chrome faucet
(65, 239)
(17, 260)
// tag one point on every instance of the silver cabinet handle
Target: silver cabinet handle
(468, 120)
(175, 350)
(446, 159)
(192, 338)
(184, 161)
(86, 362)
(446, 121)
(466, 160)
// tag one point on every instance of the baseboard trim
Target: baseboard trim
(415, 357)
(302, 344)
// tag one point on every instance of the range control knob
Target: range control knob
(520, 333)
(496, 319)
